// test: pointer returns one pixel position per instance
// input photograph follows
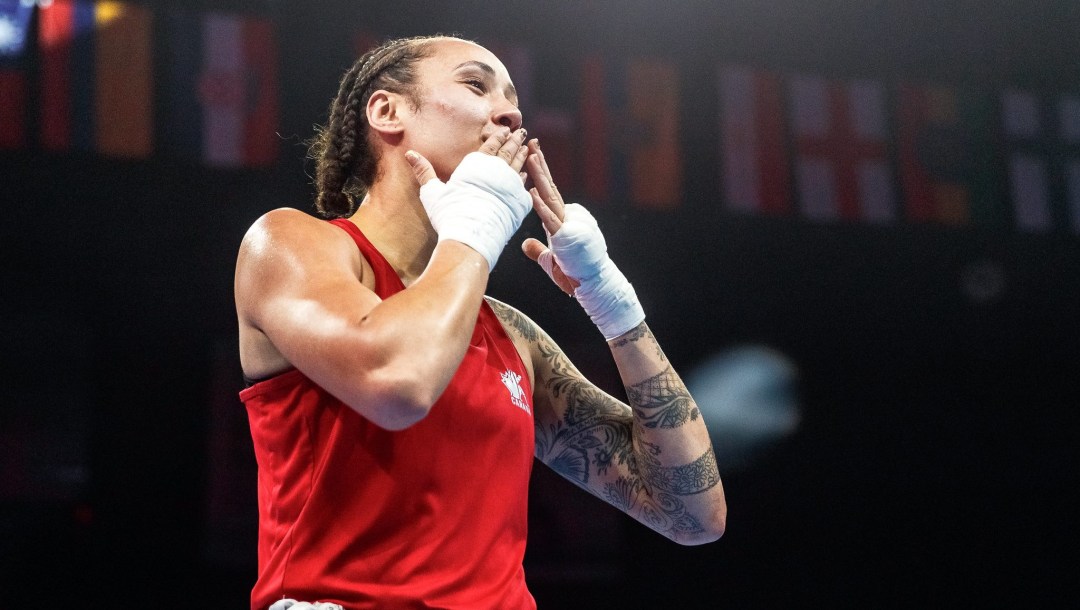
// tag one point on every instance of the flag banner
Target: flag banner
(629, 135)
(945, 155)
(96, 77)
(223, 93)
(755, 174)
(842, 168)
(595, 125)
(64, 31)
(14, 23)
(1043, 138)
(656, 164)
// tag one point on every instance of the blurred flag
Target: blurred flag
(945, 155)
(1043, 137)
(629, 132)
(656, 165)
(96, 77)
(14, 23)
(755, 176)
(595, 125)
(223, 92)
(841, 166)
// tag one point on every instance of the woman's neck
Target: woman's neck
(393, 219)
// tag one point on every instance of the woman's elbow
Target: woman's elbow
(710, 528)
(394, 403)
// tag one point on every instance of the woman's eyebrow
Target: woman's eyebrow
(511, 91)
(476, 64)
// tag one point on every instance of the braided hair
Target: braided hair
(345, 162)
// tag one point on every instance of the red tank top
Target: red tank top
(433, 516)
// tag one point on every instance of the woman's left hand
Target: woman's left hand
(551, 209)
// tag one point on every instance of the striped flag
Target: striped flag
(945, 155)
(656, 164)
(223, 92)
(1043, 137)
(14, 23)
(96, 77)
(595, 126)
(841, 161)
(630, 132)
(755, 175)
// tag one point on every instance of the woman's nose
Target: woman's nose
(509, 116)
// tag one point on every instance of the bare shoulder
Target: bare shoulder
(287, 240)
(287, 257)
(285, 228)
(287, 250)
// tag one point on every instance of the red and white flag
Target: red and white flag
(842, 168)
(223, 97)
(755, 175)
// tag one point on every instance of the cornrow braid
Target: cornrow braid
(345, 162)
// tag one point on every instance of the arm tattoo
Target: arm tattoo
(592, 432)
(686, 480)
(662, 401)
(509, 315)
(596, 433)
(641, 331)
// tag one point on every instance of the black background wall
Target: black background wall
(936, 456)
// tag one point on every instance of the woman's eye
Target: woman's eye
(479, 84)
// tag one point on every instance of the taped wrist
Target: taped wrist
(604, 293)
(481, 206)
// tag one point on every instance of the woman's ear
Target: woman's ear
(384, 112)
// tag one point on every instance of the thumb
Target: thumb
(540, 253)
(421, 167)
(533, 249)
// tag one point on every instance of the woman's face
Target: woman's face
(465, 96)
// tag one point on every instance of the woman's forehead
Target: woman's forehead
(453, 52)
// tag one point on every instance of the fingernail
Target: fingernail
(411, 156)
(524, 133)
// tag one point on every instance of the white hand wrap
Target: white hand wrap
(604, 293)
(482, 204)
(292, 604)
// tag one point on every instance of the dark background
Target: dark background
(936, 454)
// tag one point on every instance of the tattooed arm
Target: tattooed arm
(651, 459)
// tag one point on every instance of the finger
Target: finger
(522, 152)
(509, 150)
(544, 257)
(421, 167)
(550, 219)
(544, 186)
(543, 169)
(495, 141)
(533, 248)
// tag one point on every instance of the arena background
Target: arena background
(931, 368)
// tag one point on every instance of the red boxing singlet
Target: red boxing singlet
(433, 516)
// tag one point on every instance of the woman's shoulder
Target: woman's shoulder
(290, 238)
(288, 228)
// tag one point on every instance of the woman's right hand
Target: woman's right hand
(482, 204)
(511, 147)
